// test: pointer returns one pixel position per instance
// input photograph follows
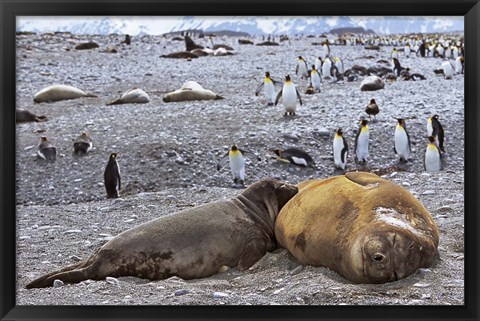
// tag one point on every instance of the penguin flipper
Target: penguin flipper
(259, 88)
(278, 97)
(298, 96)
(296, 70)
(222, 161)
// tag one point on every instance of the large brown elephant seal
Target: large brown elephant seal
(367, 229)
(23, 116)
(192, 243)
(59, 92)
(190, 90)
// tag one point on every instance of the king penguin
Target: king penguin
(394, 53)
(269, 85)
(361, 142)
(294, 156)
(289, 95)
(46, 150)
(448, 70)
(402, 141)
(433, 158)
(315, 79)
(302, 68)
(459, 65)
(435, 129)
(406, 50)
(318, 64)
(340, 150)
(82, 145)
(327, 68)
(236, 158)
(111, 177)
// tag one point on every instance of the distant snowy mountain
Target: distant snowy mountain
(251, 25)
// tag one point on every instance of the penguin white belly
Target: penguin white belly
(362, 147)
(337, 153)
(447, 70)
(433, 163)
(327, 65)
(316, 81)
(237, 165)
(407, 51)
(429, 128)
(289, 98)
(270, 92)
(318, 64)
(299, 161)
(401, 144)
(302, 68)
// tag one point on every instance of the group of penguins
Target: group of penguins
(323, 68)
(433, 161)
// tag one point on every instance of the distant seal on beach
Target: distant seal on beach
(367, 229)
(372, 83)
(132, 96)
(23, 116)
(86, 45)
(190, 90)
(59, 92)
(193, 243)
(180, 55)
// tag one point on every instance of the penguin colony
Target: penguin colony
(326, 68)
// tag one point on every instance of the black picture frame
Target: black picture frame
(10, 9)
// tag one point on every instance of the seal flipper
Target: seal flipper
(363, 178)
(254, 250)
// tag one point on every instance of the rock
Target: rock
(180, 292)
(112, 280)
(57, 283)
(220, 295)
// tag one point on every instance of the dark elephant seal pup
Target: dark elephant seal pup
(367, 229)
(23, 116)
(192, 243)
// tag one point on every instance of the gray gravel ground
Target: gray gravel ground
(168, 154)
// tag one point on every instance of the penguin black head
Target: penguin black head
(287, 78)
(267, 74)
(431, 139)
(401, 121)
(364, 122)
(435, 117)
(300, 57)
(234, 147)
(340, 131)
(43, 139)
(113, 155)
(277, 151)
(372, 101)
(313, 67)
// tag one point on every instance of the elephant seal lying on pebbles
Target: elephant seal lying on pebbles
(23, 116)
(59, 92)
(190, 90)
(192, 243)
(367, 229)
(132, 96)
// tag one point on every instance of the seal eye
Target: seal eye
(377, 257)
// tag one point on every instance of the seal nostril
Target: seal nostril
(377, 257)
